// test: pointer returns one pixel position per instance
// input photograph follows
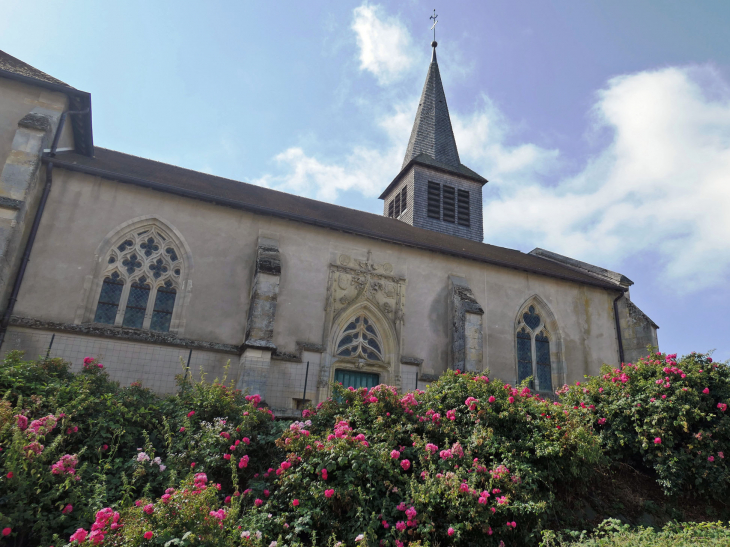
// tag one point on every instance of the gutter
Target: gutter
(258, 209)
(34, 228)
(618, 328)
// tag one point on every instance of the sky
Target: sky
(602, 126)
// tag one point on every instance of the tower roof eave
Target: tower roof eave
(427, 161)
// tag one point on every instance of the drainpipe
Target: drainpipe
(34, 229)
(618, 328)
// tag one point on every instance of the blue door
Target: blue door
(351, 378)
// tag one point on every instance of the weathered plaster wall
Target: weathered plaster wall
(223, 242)
(637, 330)
(28, 119)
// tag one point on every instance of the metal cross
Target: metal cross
(434, 17)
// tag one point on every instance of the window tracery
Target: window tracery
(360, 339)
(533, 350)
(141, 281)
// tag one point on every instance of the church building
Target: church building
(155, 269)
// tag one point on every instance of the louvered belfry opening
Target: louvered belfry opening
(445, 195)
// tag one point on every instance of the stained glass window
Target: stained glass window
(162, 312)
(524, 355)
(139, 293)
(533, 350)
(150, 252)
(542, 350)
(111, 292)
(360, 338)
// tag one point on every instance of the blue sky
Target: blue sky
(603, 127)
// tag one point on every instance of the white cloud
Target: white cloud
(481, 137)
(386, 48)
(661, 185)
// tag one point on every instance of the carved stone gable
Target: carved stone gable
(352, 281)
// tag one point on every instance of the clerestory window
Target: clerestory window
(533, 350)
(141, 281)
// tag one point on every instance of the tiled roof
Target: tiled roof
(16, 66)
(168, 178)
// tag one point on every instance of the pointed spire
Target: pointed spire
(432, 133)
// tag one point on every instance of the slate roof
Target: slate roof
(432, 141)
(229, 193)
(15, 69)
(432, 133)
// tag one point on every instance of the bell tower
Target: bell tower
(434, 190)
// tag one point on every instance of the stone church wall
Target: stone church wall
(223, 242)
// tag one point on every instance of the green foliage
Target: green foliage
(612, 533)
(126, 444)
(470, 461)
(501, 451)
(666, 416)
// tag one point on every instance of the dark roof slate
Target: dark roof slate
(432, 141)
(168, 178)
(432, 133)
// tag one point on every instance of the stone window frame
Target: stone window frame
(548, 324)
(388, 368)
(108, 259)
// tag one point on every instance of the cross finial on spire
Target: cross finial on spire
(434, 18)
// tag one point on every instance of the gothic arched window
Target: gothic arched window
(533, 350)
(141, 281)
(360, 339)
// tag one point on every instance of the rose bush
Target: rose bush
(665, 416)
(73, 444)
(471, 460)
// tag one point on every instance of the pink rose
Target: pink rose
(79, 535)
(148, 535)
(394, 454)
(7, 531)
(706, 391)
(66, 510)
(295, 503)
(191, 414)
(324, 474)
(405, 464)
(491, 399)
(149, 509)
(451, 531)
(658, 440)
(329, 493)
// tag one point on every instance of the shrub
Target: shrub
(666, 416)
(612, 533)
(73, 444)
(469, 461)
